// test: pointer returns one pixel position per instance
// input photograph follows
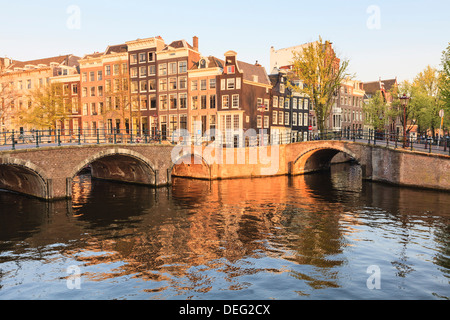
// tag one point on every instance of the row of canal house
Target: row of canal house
(173, 86)
(146, 86)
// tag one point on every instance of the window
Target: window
(99, 75)
(280, 117)
(92, 76)
(305, 104)
(183, 121)
(259, 102)
(172, 83)
(294, 119)
(266, 104)
(142, 72)
(172, 68)
(235, 101)
(93, 109)
(124, 68)
(286, 118)
(230, 84)
(305, 119)
(266, 122)
(203, 102)
(151, 70)
(222, 84)
(163, 84)
(173, 101)
(194, 103)
(183, 100)
(84, 92)
(133, 58)
(108, 70)
(163, 102)
(92, 91)
(259, 121)
(286, 103)
(203, 84)
(225, 102)
(83, 77)
(275, 117)
(194, 85)
(133, 72)
(183, 83)
(151, 56)
(236, 122)
(85, 109)
(162, 69)
(300, 119)
(212, 101)
(152, 84)
(212, 83)
(152, 98)
(275, 102)
(182, 66)
(294, 103)
(116, 69)
(134, 86)
(143, 86)
(142, 57)
(238, 83)
(230, 69)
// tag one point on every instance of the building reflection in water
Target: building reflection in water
(201, 236)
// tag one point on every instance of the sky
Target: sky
(381, 39)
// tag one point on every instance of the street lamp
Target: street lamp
(404, 102)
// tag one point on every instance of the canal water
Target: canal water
(318, 236)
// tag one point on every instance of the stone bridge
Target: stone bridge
(48, 172)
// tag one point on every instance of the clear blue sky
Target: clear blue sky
(402, 38)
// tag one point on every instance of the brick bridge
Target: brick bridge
(48, 172)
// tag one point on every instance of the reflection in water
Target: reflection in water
(308, 236)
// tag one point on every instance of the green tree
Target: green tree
(444, 84)
(322, 73)
(377, 111)
(49, 106)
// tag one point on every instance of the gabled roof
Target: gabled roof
(68, 60)
(178, 44)
(251, 70)
(211, 62)
(374, 86)
(118, 48)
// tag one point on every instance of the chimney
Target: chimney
(195, 43)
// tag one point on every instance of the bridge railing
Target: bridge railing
(61, 137)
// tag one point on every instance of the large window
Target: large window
(225, 102)
(163, 102)
(172, 68)
(235, 101)
(183, 100)
(182, 66)
(162, 69)
(172, 101)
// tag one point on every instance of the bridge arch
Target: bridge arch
(24, 177)
(119, 164)
(319, 158)
(192, 165)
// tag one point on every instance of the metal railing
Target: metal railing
(10, 140)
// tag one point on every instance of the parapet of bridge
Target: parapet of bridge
(48, 172)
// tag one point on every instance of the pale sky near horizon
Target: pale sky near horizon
(381, 38)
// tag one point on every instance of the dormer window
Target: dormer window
(230, 69)
(202, 64)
